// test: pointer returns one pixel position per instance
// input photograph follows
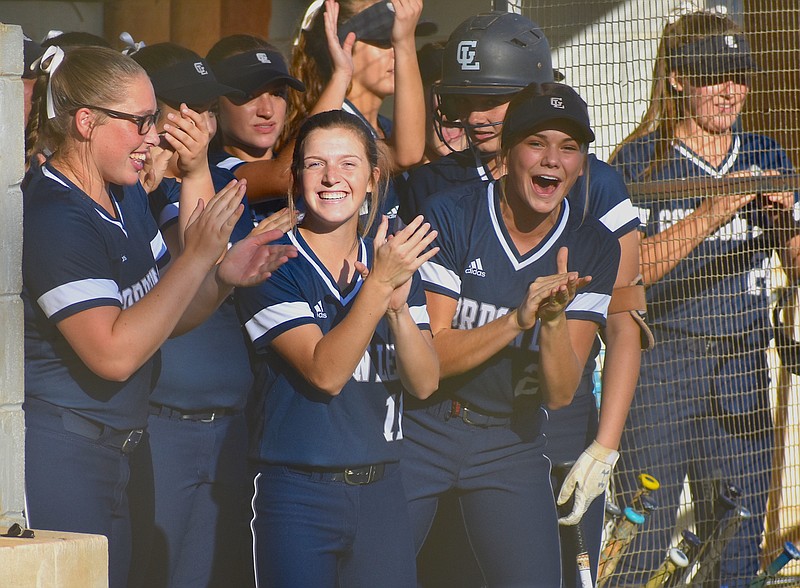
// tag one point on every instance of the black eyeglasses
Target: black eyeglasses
(144, 122)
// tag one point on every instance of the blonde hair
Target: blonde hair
(666, 103)
(88, 75)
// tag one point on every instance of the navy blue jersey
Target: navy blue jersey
(608, 197)
(208, 367)
(479, 265)
(302, 425)
(77, 257)
(722, 287)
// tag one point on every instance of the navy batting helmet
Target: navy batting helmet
(495, 53)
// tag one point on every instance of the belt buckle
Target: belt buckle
(360, 476)
(210, 419)
(465, 412)
(132, 441)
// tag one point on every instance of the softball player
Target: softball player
(383, 63)
(196, 426)
(340, 333)
(487, 59)
(512, 336)
(96, 305)
(707, 264)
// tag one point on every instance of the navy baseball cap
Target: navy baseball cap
(561, 109)
(191, 82)
(373, 25)
(714, 56)
(31, 52)
(247, 72)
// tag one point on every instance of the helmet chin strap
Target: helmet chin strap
(438, 120)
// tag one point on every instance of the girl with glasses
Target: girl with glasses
(101, 293)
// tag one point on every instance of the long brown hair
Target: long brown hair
(666, 103)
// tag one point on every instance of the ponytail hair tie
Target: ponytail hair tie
(48, 63)
(311, 12)
(131, 46)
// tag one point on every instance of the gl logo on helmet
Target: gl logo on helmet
(466, 56)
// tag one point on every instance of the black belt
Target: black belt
(474, 417)
(352, 476)
(57, 416)
(204, 416)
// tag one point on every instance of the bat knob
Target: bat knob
(648, 504)
(648, 482)
(677, 557)
(634, 517)
(613, 510)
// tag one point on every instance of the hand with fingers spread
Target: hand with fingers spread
(253, 259)
(398, 257)
(210, 225)
(189, 136)
(341, 53)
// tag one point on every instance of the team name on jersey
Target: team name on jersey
(134, 293)
(383, 369)
(738, 229)
(471, 314)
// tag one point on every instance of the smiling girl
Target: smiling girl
(97, 297)
(341, 333)
(513, 335)
(707, 264)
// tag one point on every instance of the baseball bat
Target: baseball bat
(710, 556)
(726, 502)
(575, 532)
(613, 512)
(689, 545)
(623, 534)
(790, 552)
(676, 559)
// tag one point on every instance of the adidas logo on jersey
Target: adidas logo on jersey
(320, 311)
(476, 268)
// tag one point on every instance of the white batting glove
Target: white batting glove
(587, 479)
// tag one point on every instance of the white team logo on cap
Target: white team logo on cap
(730, 41)
(263, 58)
(557, 102)
(200, 68)
(466, 56)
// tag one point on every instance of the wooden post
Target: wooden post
(196, 24)
(145, 20)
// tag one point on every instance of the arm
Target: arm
(115, 342)
(663, 251)
(189, 136)
(270, 178)
(460, 350)
(408, 136)
(328, 360)
(623, 353)
(417, 362)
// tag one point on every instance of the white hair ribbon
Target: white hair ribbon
(50, 34)
(55, 54)
(131, 46)
(311, 11)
